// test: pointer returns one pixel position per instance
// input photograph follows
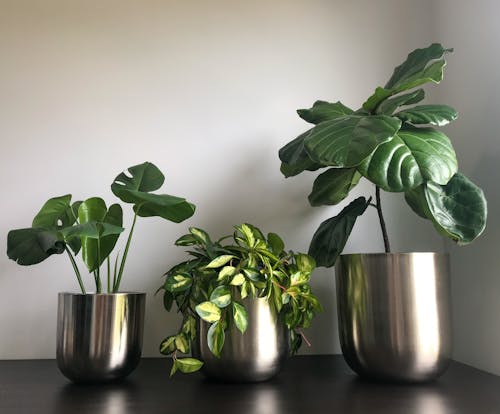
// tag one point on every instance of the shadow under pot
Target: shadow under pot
(394, 314)
(257, 355)
(99, 336)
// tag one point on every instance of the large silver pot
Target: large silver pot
(394, 314)
(256, 355)
(99, 336)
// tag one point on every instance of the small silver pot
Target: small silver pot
(394, 314)
(257, 355)
(99, 336)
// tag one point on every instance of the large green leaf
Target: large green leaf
(134, 188)
(345, 142)
(324, 111)
(330, 238)
(294, 157)
(55, 213)
(428, 114)
(413, 156)
(421, 66)
(388, 106)
(332, 186)
(208, 311)
(221, 296)
(188, 365)
(33, 245)
(458, 209)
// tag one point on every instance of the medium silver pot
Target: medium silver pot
(257, 355)
(99, 336)
(394, 314)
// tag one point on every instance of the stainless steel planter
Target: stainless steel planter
(394, 314)
(257, 355)
(99, 336)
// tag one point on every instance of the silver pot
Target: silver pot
(394, 314)
(256, 355)
(99, 336)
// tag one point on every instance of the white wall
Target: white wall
(473, 86)
(208, 92)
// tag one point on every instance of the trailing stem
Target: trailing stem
(387, 246)
(75, 268)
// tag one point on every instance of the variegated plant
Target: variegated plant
(396, 147)
(212, 284)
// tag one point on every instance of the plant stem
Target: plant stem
(98, 270)
(75, 268)
(124, 257)
(387, 246)
(97, 279)
(109, 274)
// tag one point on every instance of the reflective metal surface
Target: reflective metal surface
(256, 355)
(99, 336)
(394, 314)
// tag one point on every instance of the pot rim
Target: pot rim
(102, 294)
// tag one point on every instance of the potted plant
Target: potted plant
(99, 335)
(393, 308)
(244, 304)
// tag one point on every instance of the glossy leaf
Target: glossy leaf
(181, 343)
(428, 114)
(226, 272)
(55, 213)
(167, 346)
(188, 365)
(215, 338)
(178, 283)
(240, 317)
(219, 261)
(413, 156)
(388, 106)
(208, 311)
(32, 245)
(324, 111)
(275, 243)
(294, 157)
(186, 240)
(237, 280)
(221, 296)
(347, 141)
(332, 186)
(330, 238)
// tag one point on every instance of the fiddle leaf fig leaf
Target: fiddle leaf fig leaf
(294, 157)
(413, 156)
(347, 141)
(388, 106)
(428, 114)
(240, 317)
(188, 365)
(221, 296)
(208, 311)
(215, 338)
(331, 236)
(33, 245)
(332, 186)
(55, 213)
(324, 111)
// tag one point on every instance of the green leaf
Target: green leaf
(413, 156)
(167, 346)
(240, 317)
(92, 230)
(332, 186)
(305, 263)
(221, 296)
(388, 106)
(186, 240)
(174, 367)
(294, 157)
(178, 283)
(33, 245)
(181, 343)
(299, 278)
(134, 188)
(238, 280)
(330, 238)
(428, 114)
(188, 365)
(345, 142)
(215, 338)
(55, 213)
(208, 311)
(275, 243)
(200, 235)
(324, 111)
(168, 300)
(458, 209)
(227, 271)
(219, 261)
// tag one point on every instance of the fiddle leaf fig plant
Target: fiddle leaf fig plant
(214, 282)
(92, 228)
(393, 143)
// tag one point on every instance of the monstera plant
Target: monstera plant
(92, 228)
(393, 143)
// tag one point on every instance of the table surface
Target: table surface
(308, 384)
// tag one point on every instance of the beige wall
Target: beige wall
(208, 92)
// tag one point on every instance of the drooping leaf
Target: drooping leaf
(240, 317)
(294, 157)
(345, 142)
(417, 202)
(188, 365)
(275, 243)
(33, 245)
(221, 296)
(330, 238)
(208, 311)
(388, 106)
(182, 343)
(413, 156)
(167, 346)
(219, 261)
(169, 207)
(215, 338)
(324, 111)
(305, 263)
(332, 186)
(55, 213)
(428, 114)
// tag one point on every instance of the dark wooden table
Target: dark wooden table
(309, 384)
